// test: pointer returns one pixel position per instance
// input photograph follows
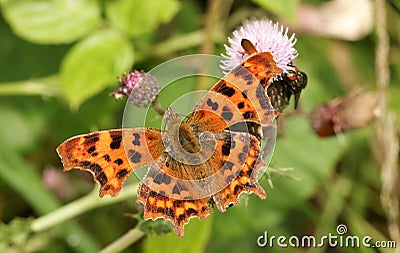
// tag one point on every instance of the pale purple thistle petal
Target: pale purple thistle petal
(266, 37)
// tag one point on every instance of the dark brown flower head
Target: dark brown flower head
(354, 111)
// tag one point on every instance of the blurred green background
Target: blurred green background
(60, 59)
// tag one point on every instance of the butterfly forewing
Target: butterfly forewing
(103, 154)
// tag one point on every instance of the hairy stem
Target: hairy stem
(386, 130)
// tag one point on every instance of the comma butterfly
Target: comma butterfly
(194, 163)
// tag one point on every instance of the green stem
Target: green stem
(80, 206)
(177, 43)
(124, 241)
(158, 108)
(42, 86)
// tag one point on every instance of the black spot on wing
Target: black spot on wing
(242, 157)
(134, 156)
(97, 169)
(229, 179)
(91, 149)
(240, 71)
(136, 140)
(178, 188)
(249, 79)
(245, 149)
(84, 163)
(178, 203)
(169, 212)
(91, 139)
(225, 90)
(237, 189)
(116, 140)
(228, 165)
(162, 178)
(190, 211)
(248, 115)
(107, 158)
(102, 178)
(119, 161)
(122, 173)
(227, 146)
(262, 98)
(162, 193)
(181, 218)
(214, 106)
(226, 113)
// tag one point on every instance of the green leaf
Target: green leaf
(312, 158)
(51, 21)
(24, 179)
(285, 8)
(93, 64)
(197, 235)
(138, 17)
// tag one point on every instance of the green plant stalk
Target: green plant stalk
(124, 241)
(46, 86)
(24, 179)
(80, 206)
(177, 43)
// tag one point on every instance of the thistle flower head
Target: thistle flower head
(139, 86)
(266, 37)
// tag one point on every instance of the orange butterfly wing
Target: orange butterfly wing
(103, 154)
(239, 96)
(234, 165)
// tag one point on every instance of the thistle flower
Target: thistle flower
(267, 37)
(141, 88)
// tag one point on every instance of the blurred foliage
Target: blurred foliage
(59, 59)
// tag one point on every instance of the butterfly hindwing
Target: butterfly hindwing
(178, 211)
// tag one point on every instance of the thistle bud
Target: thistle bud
(141, 88)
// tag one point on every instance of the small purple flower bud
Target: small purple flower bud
(141, 88)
